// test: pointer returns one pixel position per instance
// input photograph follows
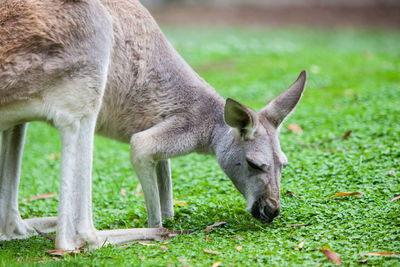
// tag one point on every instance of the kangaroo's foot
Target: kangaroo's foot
(13, 227)
(121, 236)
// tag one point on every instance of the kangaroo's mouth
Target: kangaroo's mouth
(263, 212)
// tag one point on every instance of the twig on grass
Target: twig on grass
(316, 145)
(50, 237)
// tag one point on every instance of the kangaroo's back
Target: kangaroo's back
(40, 40)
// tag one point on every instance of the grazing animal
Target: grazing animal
(89, 66)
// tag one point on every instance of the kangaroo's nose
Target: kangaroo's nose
(271, 212)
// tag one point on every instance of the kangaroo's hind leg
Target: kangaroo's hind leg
(12, 144)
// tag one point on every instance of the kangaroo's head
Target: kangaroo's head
(250, 153)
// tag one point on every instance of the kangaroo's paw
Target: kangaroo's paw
(81, 240)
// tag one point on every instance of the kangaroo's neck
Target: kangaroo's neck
(149, 82)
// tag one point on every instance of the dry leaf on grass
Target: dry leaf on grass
(316, 145)
(382, 253)
(391, 172)
(54, 156)
(295, 128)
(42, 196)
(300, 245)
(237, 237)
(180, 203)
(60, 252)
(146, 244)
(140, 257)
(138, 191)
(217, 263)
(345, 194)
(395, 199)
(123, 192)
(50, 237)
(210, 227)
(211, 252)
(239, 248)
(347, 134)
(207, 238)
(332, 256)
(163, 248)
(363, 261)
(183, 260)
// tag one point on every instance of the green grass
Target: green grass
(354, 84)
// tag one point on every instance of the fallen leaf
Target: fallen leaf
(316, 145)
(42, 196)
(180, 203)
(164, 248)
(210, 227)
(332, 256)
(314, 69)
(297, 224)
(395, 199)
(207, 238)
(348, 91)
(217, 263)
(295, 128)
(345, 194)
(239, 248)
(347, 134)
(169, 265)
(146, 244)
(60, 252)
(140, 257)
(54, 156)
(183, 260)
(382, 253)
(138, 191)
(363, 261)
(50, 237)
(391, 172)
(238, 237)
(300, 245)
(211, 252)
(123, 192)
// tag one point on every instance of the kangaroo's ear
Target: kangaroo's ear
(279, 108)
(240, 117)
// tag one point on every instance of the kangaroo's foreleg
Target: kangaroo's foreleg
(162, 141)
(164, 182)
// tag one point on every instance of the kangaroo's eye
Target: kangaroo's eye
(254, 166)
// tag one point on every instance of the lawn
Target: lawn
(354, 84)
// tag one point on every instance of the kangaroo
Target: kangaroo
(87, 66)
